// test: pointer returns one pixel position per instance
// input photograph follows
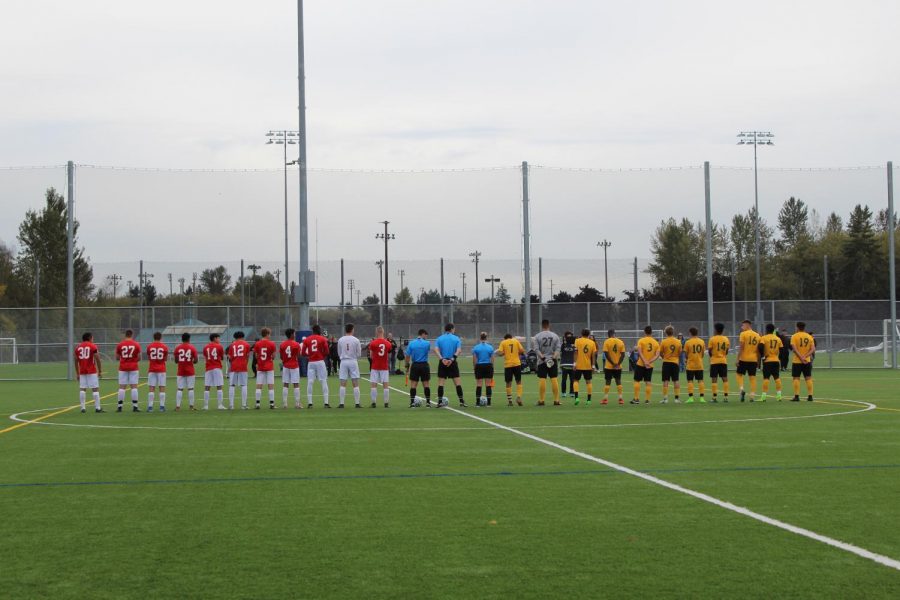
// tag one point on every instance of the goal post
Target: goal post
(9, 352)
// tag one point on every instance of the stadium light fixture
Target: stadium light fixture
(756, 138)
(605, 244)
(285, 137)
(492, 280)
(387, 237)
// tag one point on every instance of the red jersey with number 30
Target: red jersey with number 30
(290, 354)
(157, 353)
(185, 355)
(238, 353)
(213, 353)
(315, 347)
(380, 351)
(84, 354)
(264, 350)
(129, 354)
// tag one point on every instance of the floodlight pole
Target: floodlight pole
(605, 244)
(492, 281)
(526, 242)
(380, 265)
(301, 148)
(709, 263)
(892, 268)
(70, 268)
(37, 310)
(752, 137)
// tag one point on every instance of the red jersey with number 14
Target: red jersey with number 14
(85, 353)
(315, 347)
(238, 353)
(290, 354)
(213, 353)
(380, 351)
(157, 353)
(185, 355)
(129, 354)
(264, 350)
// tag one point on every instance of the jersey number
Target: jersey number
(157, 354)
(238, 351)
(287, 351)
(263, 354)
(185, 356)
(381, 350)
(84, 353)
(126, 352)
(213, 354)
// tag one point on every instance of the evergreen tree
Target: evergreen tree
(862, 270)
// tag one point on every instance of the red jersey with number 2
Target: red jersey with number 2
(129, 354)
(380, 351)
(290, 353)
(265, 355)
(85, 353)
(238, 353)
(185, 355)
(315, 347)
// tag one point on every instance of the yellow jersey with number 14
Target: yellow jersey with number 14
(718, 349)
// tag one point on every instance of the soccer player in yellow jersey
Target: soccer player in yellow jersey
(718, 361)
(648, 353)
(694, 349)
(585, 357)
(613, 356)
(748, 358)
(770, 346)
(803, 347)
(670, 353)
(511, 350)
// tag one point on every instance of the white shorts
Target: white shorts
(185, 381)
(349, 369)
(380, 376)
(128, 377)
(265, 377)
(213, 378)
(156, 379)
(238, 378)
(88, 382)
(290, 375)
(317, 371)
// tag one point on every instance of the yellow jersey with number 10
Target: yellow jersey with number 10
(694, 349)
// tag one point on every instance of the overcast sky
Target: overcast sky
(406, 84)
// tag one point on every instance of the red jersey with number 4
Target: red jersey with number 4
(264, 350)
(213, 353)
(84, 354)
(290, 354)
(157, 353)
(129, 354)
(238, 353)
(315, 347)
(380, 351)
(185, 355)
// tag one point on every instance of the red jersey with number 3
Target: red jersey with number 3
(84, 354)
(157, 353)
(315, 347)
(290, 354)
(238, 353)
(213, 353)
(264, 350)
(185, 354)
(380, 351)
(129, 354)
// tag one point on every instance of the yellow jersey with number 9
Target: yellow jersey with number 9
(749, 346)
(585, 350)
(694, 349)
(718, 349)
(670, 349)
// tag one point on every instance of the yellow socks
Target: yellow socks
(765, 386)
(725, 387)
(554, 385)
(542, 390)
(619, 389)
(509, 391)
(809, 386)
(740, 380)
(519, 390)
(752, 385)
(690, 388)
(647, 390)
(637, 390)
(715, 388)
(796, 383)
(702, 387)
(778, 384)
(590, 388)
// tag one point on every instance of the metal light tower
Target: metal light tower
(380, 265)
(756, 138)
(463, 277)
(605, 244)
(285, 137)
(351, 283)
(387, 237)
(114, 279)
(305, 274)
(402, 274)
(492, 280)
(476, 258)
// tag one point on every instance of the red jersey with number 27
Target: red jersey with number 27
(185, 355)
(85, 353)
(129, 354)
(238, 353)
(213, 353)
(380, 351)
(290, 353)
(315, 347)
(157, 353)
(265, 355)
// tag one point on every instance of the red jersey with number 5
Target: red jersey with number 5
(264, 350)
(238, 353)
(213, 353)
(315, 347)
(84, 353)
(157, 353)
(129, 354)
(185, 355)
(290, 354)
(380, 351)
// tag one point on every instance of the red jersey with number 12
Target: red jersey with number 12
(157, 353)
(213, 353)
(380, 350)
(129, 354)
(315, 347)
(238, 353)
(290, 354)
(185, 355)
(85, 353)
(264, 350)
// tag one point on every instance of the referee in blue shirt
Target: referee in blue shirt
(417, 367)
(447, 348)
(483, 361)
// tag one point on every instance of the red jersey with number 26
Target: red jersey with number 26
(84, 353)
(213, 353)
(315, 347)
(238, 353)
(290, 353)
(380, 350)
(157, 353)
(185, 355)
(129, 354)
(265, 355)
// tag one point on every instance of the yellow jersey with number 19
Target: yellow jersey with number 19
(804, 344)
(694, 349)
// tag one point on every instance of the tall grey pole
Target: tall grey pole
(243, 285)
(756, 231)
(605, 244)
(827, 311)
(540, 290)
(37, 310)
(442, 289)
(637, 316)
(733, 299)
(70, 267)
(380, 292)
(301, 147)
(141, 295)
(526, 241)
(709, 262)
(892, 267)
(343, 302)
(287, 272)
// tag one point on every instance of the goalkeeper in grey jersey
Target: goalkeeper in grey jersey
(547, 344)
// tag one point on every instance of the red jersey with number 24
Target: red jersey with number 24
(157, 353)
(238, 353)
(315, 347)
(129, 354)
(185, 355)
(380, 350)
(290, 354)
(265, 355)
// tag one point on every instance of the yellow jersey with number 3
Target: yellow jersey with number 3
(585, 350)
(718, 349)
(670, 350)
(647, 349)
(804, 344)
(694, 349)
(511, 350)
(613, 349)
(772, 346)
(749, 346)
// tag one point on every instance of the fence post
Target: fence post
(588, 313)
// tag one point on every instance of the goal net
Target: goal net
(886, 341)
(9, 353)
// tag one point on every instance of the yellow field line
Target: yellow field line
(53, 414)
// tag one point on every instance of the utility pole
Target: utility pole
(114, 279)
(540, 289)
(492, 280)
(709, 264)
(402, 274)
(284, 138)
(70, 267)
(605, 244)
(442, 289)
(243, 285)
(387, 237)
(181, 287)
(343, 302)
(637, 316)
(892, 267)
(526, 254)
(463, 277)
(37, 310)
(305, 274)
(170, 284)
(351, 283)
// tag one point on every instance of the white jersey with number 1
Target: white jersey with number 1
(349, 351)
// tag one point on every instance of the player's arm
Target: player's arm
(437, 352)
(98, 365)
(458, 350)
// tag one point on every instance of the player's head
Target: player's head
(157, 335)
(265, 332)
(585, 333)
(128, 333)
(214, 337)
(289, 333)
(545, 324)
(648, 330)
(693, 331)
(185, 337)
(422, 333)
(448, 328)
(507, 336)
(746, 324)
(569, 336)
(801, 326)
(390, 335)
(611, 333)
(87, 336)
(719, 328)
(770, 327)
(483, 336)
(238, 335)
(669, 331)
(348, 328)
(317, 329)
(379, 331)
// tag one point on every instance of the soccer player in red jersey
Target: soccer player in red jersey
(88, 369)
(315, 348)
(380, 354)
(157, 354)
(213, 354)
(128, 353)
(264, 350)
(238, 354)
(185, 355)
(290, 367)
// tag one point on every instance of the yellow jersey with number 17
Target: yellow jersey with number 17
(772, 346)
(585, 350)
(694, 349)
(718, 349)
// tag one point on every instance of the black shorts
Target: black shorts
(485, 371)
(801, 370)
(694, 375)
(420, 371)
(610, 374)
(670, 371)
(746, 367)
(772, 369)
(543, 371)
(718, 370)
(577, 374)
(450, 371)
(643, 373)
(510, 373)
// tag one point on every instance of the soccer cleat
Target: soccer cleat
(387, 405)
(743, 394)
(509, 403)
(193, 409)
(83, 411)
(341, 405)
(604, 402)
(310, 405)
(621, 402)
(635, 401)
(357, 405)
(463, 404)
(702, 400)
(177, 409)
(135, 409)
(576, 401)
(557, 403)
(677, 401)
(762, 397)
(99, 410)
(587, 402)
(118, 409)
(689, 401)
(149, 409)
(162, 409)
(795, 399)
(664, 401)
(519, 401)
(725, 400)
(646, 402)
(809, 398)
(374, 405)
(539, 403)
(714, 400)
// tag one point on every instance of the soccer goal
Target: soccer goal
(886, 341)
(9, 353)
